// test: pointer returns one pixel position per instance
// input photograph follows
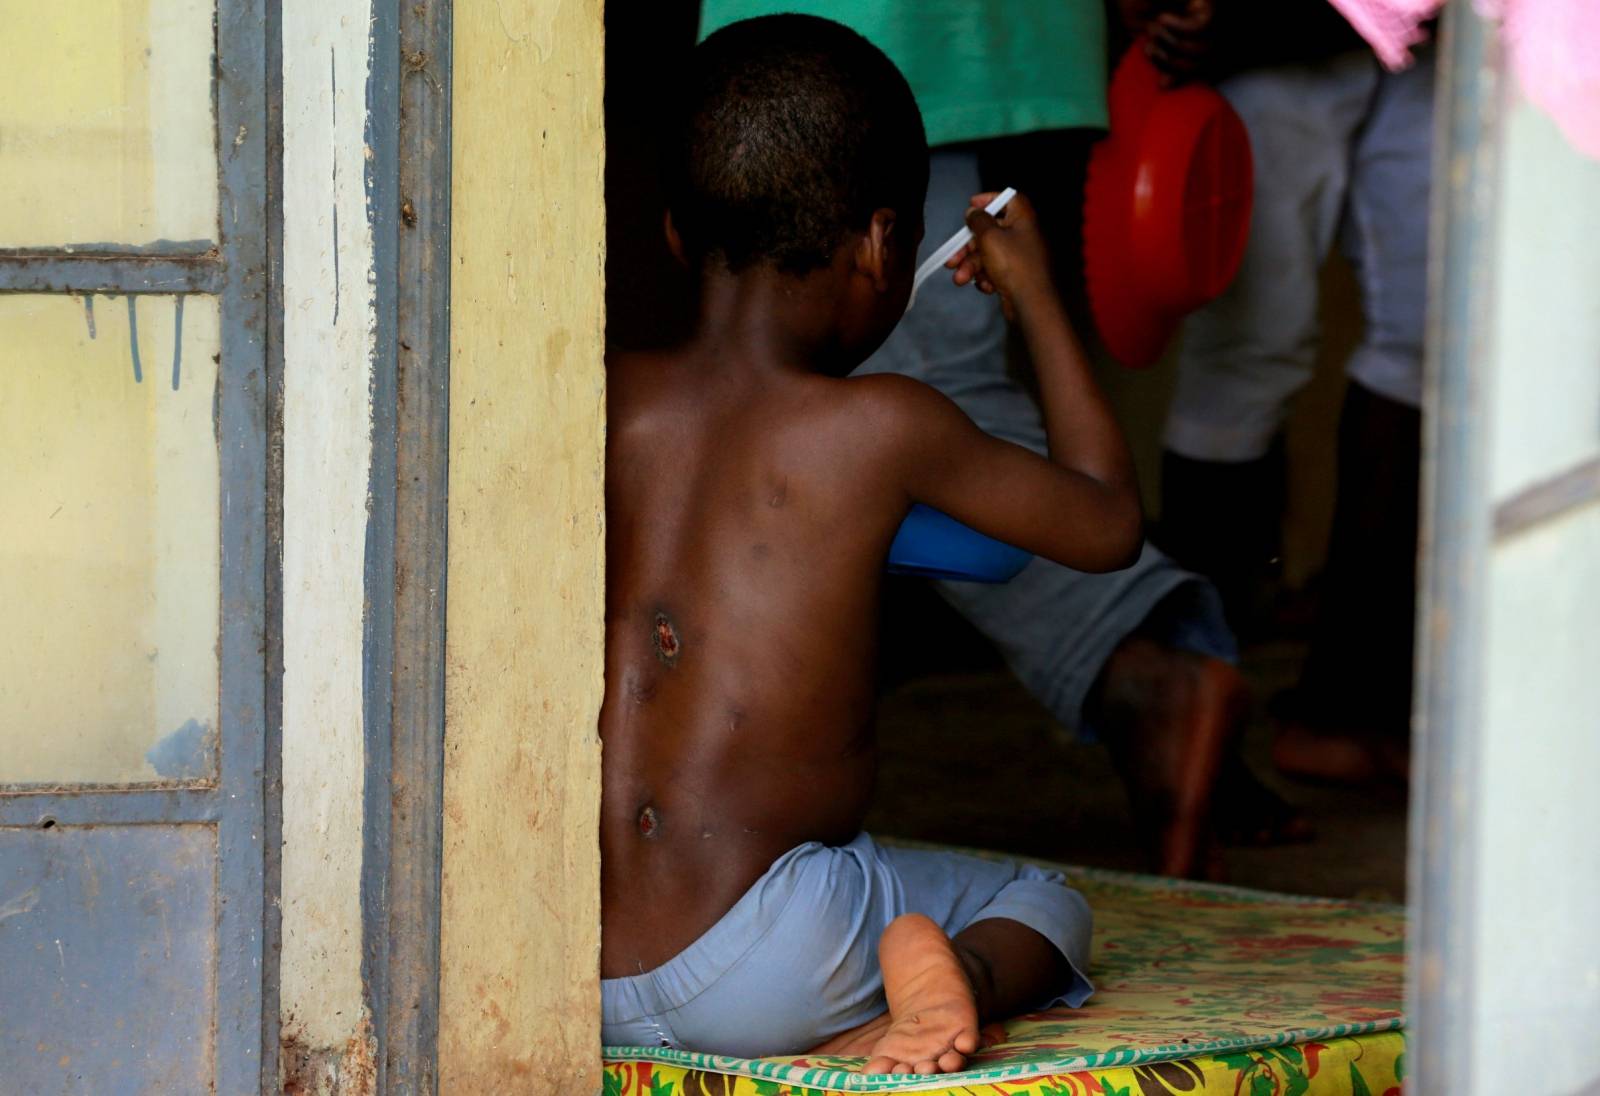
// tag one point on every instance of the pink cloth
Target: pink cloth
(1554, 49)
(1391, 27)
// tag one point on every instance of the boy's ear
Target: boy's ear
(875, 252)
(674, 241)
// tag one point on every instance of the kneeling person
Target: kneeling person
(752, 492)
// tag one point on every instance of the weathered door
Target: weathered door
(1505, 855)
(133, 544)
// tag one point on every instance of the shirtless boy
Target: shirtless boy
(752, 494)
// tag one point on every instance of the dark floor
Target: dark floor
(969, 758)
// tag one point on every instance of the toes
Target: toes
(920, 1053)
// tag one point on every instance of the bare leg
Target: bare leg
(940, 990)
(1170, 718)
(1331, 756)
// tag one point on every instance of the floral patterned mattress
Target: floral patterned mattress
(1200, 989)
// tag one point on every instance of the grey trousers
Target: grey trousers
(1343, 152)
(1055, 627)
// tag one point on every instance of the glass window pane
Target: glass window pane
(107, 131)
(109, 539)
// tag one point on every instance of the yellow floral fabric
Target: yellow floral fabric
(1200, 989)
(1358, 1065)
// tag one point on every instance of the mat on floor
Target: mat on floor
(1200, 989)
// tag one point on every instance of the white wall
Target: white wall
(328, 348)
(1538, 864)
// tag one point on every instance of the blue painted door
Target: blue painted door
(134, 670)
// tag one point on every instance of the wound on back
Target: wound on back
(648, 822)
(665, 637)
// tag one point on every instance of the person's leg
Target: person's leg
(1385, 232)
(1169, 718)
(1247, 353)
(1349, 716)
(1057, 628)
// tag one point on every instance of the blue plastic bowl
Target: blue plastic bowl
(931, 544)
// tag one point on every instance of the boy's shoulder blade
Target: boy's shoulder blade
(897, 405)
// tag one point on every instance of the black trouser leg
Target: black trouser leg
(1358, 673)
(1223, 519)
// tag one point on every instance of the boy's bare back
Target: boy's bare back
(748, 520)
(751, 501)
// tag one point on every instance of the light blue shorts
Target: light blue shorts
(795, 961)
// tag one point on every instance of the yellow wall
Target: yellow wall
(519, 1007)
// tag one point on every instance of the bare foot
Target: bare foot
(1170, 717)
(932, 1022)
(1244, 811)
(1336, 757)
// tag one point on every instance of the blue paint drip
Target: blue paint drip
(333, 98)
(88, 312)
(133, 340)
(177, 340)
(336, 254)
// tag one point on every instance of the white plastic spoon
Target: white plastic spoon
(932, 264)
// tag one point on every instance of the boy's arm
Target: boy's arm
(1081, 506)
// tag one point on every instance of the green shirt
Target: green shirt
(979, 68)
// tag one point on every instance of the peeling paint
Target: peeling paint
(347, 1069)
(22, 903)
(187, 753)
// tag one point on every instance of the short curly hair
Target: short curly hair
(793, 130)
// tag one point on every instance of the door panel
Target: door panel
(130, 1010)
(134, 694)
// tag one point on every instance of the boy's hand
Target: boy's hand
(1007, 254)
